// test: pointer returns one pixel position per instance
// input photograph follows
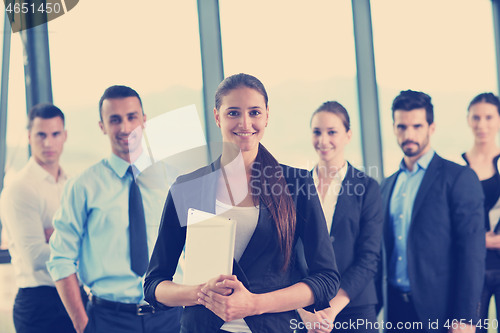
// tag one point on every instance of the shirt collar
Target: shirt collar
(120, 166)
(40, 173)
(343, 171)
(340, 175)
(423, 162)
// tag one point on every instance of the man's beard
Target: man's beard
(411, 152)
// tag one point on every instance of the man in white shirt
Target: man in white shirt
(27, 206)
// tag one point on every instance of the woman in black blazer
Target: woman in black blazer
(483, 117)
(274, 206)
(352, 206)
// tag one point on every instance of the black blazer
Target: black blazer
(446, 243)
(259, 268)
(356, 235)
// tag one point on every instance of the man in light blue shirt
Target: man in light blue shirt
(401, 208)
(92, 236)
(434, 230)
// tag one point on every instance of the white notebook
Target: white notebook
(209, 246)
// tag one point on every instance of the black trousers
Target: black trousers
(401, 313)
(491, 287)
(105, 320)
(39, 310)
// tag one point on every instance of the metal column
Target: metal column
(212, 67)
(4, 94)
(367, 89)
(496, 28)
(37, 65)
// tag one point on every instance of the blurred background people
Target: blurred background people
(352, 206)
(106, 229)
(483, 117)
(28, 205)
(434, 229)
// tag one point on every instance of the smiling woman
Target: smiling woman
(242, 118)
(352, 206)
(265, 287)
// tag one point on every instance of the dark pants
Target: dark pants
(40, 310)
(401, 311)
(491, 287)
(104, 320)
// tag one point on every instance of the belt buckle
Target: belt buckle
(406, 297)
(144, 309)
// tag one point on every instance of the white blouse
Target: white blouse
(330, 201)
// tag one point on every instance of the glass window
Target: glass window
(16, 157)
(17, 134)
(445, 49)
(303, 52)
(150, 46)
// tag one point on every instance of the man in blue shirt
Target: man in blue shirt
(434, 237)
(107, 226)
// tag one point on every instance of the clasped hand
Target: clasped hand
(227, 297)
(319, 321)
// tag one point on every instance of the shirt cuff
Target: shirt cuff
(60, 269)
(322, 292)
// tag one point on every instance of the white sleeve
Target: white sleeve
(22, 218)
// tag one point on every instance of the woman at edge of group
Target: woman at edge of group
(483, 117)
(352, 205)
(263, 293)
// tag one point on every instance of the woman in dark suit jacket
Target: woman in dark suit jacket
(352, 206)
(483, 117)
(274, 206)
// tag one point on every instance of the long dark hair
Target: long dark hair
(264, 183)
(485, 98)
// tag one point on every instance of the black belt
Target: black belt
(404, 296)
(138, 309)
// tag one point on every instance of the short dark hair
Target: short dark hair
(337, 109)
(488, 97)
(44, 111)
(409, 100)
(118, 91)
